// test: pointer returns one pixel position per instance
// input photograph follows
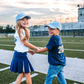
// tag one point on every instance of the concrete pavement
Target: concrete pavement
(74, 70)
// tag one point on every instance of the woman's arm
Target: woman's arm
(27, 44)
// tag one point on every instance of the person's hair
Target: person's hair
(19, 27)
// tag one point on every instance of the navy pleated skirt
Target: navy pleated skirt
(20, 63)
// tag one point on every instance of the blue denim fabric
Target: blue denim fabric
(55, 71)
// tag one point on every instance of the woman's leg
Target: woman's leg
(28, 78)
(19, 78)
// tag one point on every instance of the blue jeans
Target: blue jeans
(55, 70)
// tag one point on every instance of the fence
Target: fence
(75, 32)
(68, 29)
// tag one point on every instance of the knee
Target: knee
(27, 74)
(22, 74)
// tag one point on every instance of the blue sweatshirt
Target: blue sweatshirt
(56, 51)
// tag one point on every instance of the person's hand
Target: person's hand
(38, 49)
(31, 52)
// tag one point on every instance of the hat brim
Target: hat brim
(28, 17)
(50, 26)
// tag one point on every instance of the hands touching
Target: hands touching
(38, 49)
(33, 52)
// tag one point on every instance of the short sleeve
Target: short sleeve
(22, 33)
(51, 43)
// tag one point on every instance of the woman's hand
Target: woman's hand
(31, 52)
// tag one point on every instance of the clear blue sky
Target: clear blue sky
(41, 11)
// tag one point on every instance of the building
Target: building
(81, 13)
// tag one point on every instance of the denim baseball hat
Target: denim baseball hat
(21, 16)
(54, 25)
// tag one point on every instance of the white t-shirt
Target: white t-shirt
(20, 47)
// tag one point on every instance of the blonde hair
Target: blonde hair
(27, 31)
